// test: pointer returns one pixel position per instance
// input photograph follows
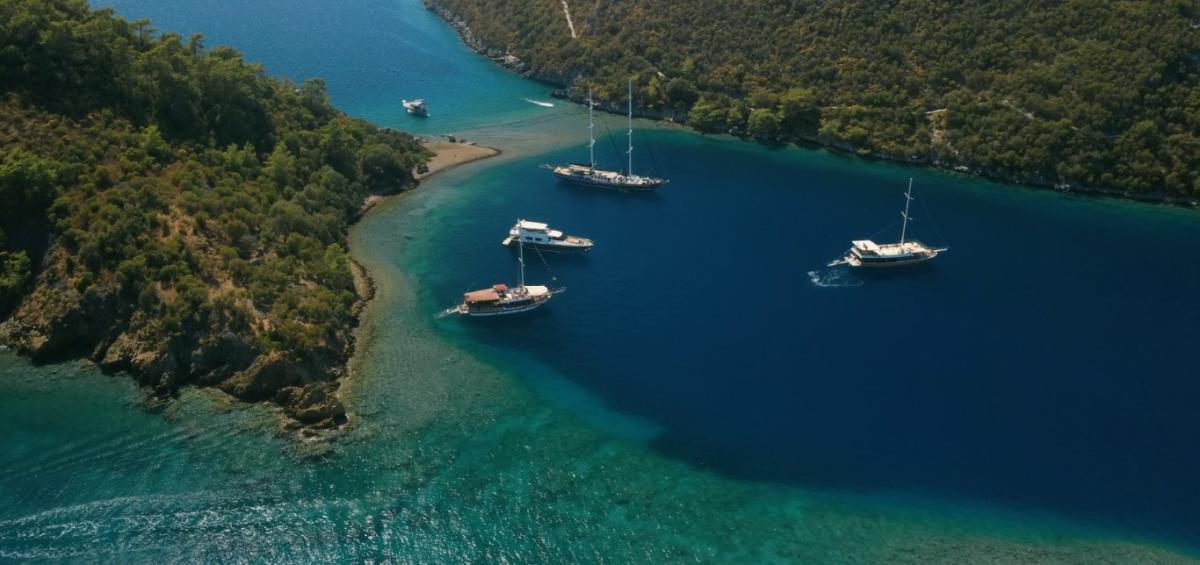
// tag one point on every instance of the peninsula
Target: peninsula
(1080, 96)
(172, 211)
(450, 154)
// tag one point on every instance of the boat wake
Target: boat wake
(540, 103)
(834, 278)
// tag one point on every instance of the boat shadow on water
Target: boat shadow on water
(551, 257)
(882, 274)
(487, 325)
(593, 192)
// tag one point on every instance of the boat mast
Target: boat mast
(521, 253)
(591, 133)
(629, 151)
(907, 200)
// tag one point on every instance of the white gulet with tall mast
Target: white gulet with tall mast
(867, 253)
(589, 175)
(501, 299)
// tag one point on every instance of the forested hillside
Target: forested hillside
(1096, 93)
(169, 209)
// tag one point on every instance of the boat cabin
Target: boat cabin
(866, 246)
(537, 232)
(485, 296)
(867, 252)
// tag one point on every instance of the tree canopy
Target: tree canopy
(1097, 93)
(208, 196)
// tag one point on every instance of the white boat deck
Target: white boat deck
(867, 247)
(600, 176)
(542, 235)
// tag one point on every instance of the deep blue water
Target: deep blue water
(1045, 363)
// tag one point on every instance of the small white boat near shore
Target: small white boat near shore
(415, 107)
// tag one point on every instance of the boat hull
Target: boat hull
(486, 313)
(554, 248)
(890, 263)
(621, 187)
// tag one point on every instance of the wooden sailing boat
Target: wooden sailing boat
(589, 175)
(501, 299)
(867, 253)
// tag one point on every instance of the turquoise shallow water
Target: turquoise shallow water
(372, 55)
(603, 428)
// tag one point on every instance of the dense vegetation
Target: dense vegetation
(174, 202)
(1096, 93)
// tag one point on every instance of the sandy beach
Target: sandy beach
(448, 155)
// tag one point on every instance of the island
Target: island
(1079, 96)
(171, 211)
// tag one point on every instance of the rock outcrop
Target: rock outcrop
(56, 322)
(499, 56)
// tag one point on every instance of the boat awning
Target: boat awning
(865, 244)
(485, 295)
(536, 226)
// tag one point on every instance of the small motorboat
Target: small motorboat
(416, 107)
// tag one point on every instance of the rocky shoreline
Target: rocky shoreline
(56, 322)
(501, 57)
(565, 91)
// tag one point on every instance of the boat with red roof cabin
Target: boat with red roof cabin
(501, 299)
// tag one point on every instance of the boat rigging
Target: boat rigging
(589, 175)
(867, 253)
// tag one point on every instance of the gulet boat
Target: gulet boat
(501, 299)
(588, 175)
(867, 253)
